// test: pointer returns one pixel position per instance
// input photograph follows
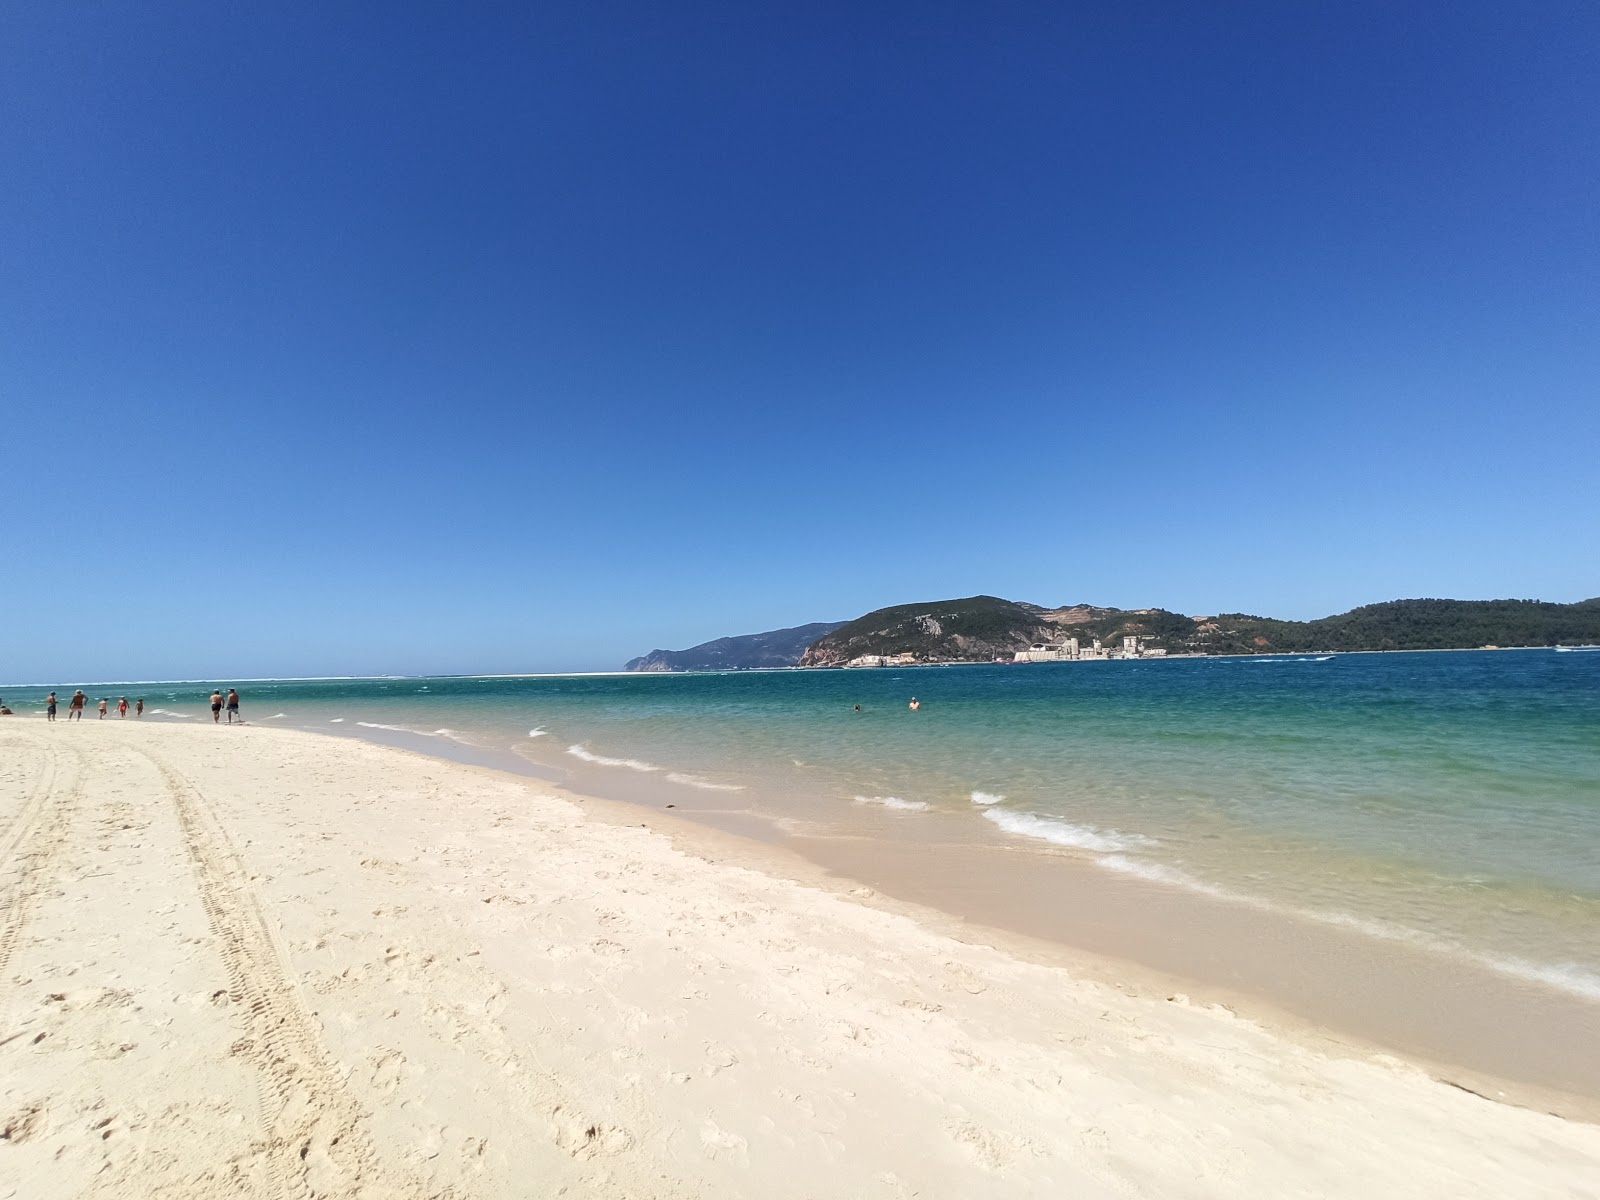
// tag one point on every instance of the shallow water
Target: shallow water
(1444, 800)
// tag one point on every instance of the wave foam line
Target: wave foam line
(396, 728)
(275, 717)
(167, 712)
(986, 798)
(895, 803)
(538, 733)
(706, 785)
(1572, 978)
(1063, 833)
(633, 764)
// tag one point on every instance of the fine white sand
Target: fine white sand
(256, 962)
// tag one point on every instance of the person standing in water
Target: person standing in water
(122, 708)
(138, 708)
(915, 704)
(75, 705)
(102, 708)
(50, 707)
(216, 707)
(233, 705)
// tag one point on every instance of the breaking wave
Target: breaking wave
(633, 764)
(707, 785)
(895, 802)
(1063, 833)
(986, 798)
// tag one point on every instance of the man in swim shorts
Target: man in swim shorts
(138, 708)
(233, 705)
(75, 705)
(216, 707)
(50, 707)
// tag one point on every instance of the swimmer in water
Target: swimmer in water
(915, 704)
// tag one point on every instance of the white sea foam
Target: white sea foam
(163, 712)
(275, 717)
(1572, 978)
(1156, 873)
(393, 728)
(538, 733)
(1063, 833)
(895, 802)
(336, 721)
(633, 764)
(986, 798)
(707, 785)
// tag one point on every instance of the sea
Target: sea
(1443, 801)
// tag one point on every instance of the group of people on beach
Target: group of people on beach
(78, 702)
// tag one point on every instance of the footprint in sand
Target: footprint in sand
(718, 1142)
(719, 1058)
(988, 1147)
(963, 977)
(583, 1138)
(387, 1069)
(25, 1124)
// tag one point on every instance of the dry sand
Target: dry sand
(256, 962)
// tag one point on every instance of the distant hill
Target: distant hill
(775, 648)
(983, 628)
(1410, 625)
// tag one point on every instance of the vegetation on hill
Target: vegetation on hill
(983, 628)
(974, 629)
(1410, 625)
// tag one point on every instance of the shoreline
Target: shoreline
(1502, 1036)
(234, 962)
(208, 680)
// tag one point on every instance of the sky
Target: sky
(401, 338)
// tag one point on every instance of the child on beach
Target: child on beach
(102, 708)
(138, 709)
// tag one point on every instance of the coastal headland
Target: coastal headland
(260, 962)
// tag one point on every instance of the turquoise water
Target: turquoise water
(1447, 799)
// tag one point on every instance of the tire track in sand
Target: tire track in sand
(316, 1144)
(29, 847)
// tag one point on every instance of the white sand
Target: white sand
(255, 962)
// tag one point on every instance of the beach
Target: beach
(264, 962)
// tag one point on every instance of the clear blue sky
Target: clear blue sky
(392, 337)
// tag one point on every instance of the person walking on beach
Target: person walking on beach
(216, 707)
(233, 706)
(75, 705)
(102, 708)
(122, 708)
(50, 707)
(138, 708)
